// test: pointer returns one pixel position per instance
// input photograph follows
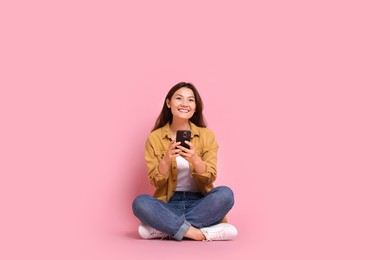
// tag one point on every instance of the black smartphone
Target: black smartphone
(183, 135)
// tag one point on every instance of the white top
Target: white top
(184, 180)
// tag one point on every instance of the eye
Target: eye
(178, 98)
(192, 100)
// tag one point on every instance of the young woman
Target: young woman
(185, 202)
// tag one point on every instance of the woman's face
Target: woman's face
(182, 103)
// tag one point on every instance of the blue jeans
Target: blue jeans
(183, 210)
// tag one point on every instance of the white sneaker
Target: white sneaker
(222, 231)
(147, 232)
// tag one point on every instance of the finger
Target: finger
(183, 154)
(186, 156)
(187, 152)
(173, 152)
(182, 148)
(172, 146)
(190, 145)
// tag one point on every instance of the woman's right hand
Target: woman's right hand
(171, 153)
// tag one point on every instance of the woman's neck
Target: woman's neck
(179, 125)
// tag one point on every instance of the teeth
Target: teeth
(184, 111)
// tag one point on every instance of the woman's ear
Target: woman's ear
(167, 102)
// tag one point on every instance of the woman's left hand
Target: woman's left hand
(192, 156)
(188, 154)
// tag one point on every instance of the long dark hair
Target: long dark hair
(166, 114)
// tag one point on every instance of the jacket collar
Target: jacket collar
(166, 131)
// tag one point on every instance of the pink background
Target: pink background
(297, 93)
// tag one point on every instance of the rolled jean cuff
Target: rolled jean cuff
(182, 230)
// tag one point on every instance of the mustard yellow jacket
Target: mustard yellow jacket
(157, 144)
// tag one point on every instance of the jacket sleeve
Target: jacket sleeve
(209, 157)
(152, 160)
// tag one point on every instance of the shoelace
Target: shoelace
(158, 233)
(214, 235)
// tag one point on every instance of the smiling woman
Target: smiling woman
(185, 202)
(175, 96)
(182, 104)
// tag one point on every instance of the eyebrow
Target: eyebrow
(183, 96)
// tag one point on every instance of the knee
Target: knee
(226, 195)
(140, 203)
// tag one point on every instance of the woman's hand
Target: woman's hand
(171, 153)
(192, 156)
(188, 154)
